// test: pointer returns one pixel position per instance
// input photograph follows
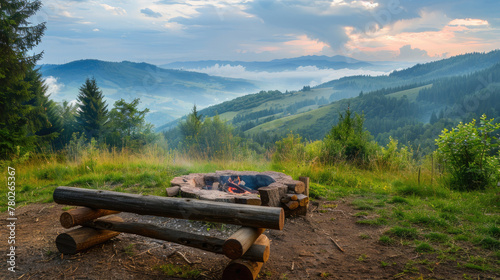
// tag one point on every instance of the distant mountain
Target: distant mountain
(399, 105)
(276, 65)
(168, 93)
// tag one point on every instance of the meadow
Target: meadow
(413, 206)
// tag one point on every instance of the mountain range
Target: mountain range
(171, 93)
(168, 93)
(401, 104)
(276, 65)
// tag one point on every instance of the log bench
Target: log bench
(94, 223)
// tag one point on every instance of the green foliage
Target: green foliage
(20, 118)
(67, 113)
(466, 150)
(211, 138)
(127, 127)
(347, 141)
(394, 158)
(184, 271)
(92, 116)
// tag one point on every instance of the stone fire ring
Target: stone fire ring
(271, 187)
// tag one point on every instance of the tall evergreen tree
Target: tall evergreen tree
(92, 115)
(17, 37)
(191, 127)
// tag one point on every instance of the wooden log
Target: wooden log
(219, 212)
(257, 252)
(292, 204)
(82, 238)
(245, 269)
(238, 243)
(303, 200)
(299, 211)
(282, 189)
(305, 180)
(295, 186)
(261, 248)
(242, 270)
(75, 217)
(247, 199)
(173, 191)
(271, 195)
(288, 197)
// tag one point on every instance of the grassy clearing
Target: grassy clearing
(462, 228)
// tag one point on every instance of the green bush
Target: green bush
(348, 141)
(467, 150)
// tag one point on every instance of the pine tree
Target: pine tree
(17, 37)
(434, 118)
(191, 127)
(92, 116)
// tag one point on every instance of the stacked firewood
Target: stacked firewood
(291, 195)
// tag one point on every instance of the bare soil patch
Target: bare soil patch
(303, 250)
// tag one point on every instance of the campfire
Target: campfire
(237, 186)
(244, 187)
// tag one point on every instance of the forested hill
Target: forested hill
(457, 65)
(167, 93)
(412, 111)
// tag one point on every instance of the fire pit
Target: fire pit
(246, 187)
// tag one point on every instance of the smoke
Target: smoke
(286, 80)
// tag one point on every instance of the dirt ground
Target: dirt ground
(303, 250)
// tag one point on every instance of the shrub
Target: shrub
(348, 141)
(466, 150)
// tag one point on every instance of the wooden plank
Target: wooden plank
(78, 216)
(192, 209)
(256, 252)
(238, 243)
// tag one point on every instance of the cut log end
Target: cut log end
(66, 244)
(242, 270)
(67, 220)
(233, 249)
(78, 216)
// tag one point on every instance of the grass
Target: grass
(421, 216)
(179, 271)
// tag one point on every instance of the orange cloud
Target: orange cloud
(454, 37)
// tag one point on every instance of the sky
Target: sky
(162, 31)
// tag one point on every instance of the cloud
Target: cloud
(468, 22)
(406, 53)
(150, 13)
(53, 87)
(96, 30)
(285, 80)
(117, 11)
